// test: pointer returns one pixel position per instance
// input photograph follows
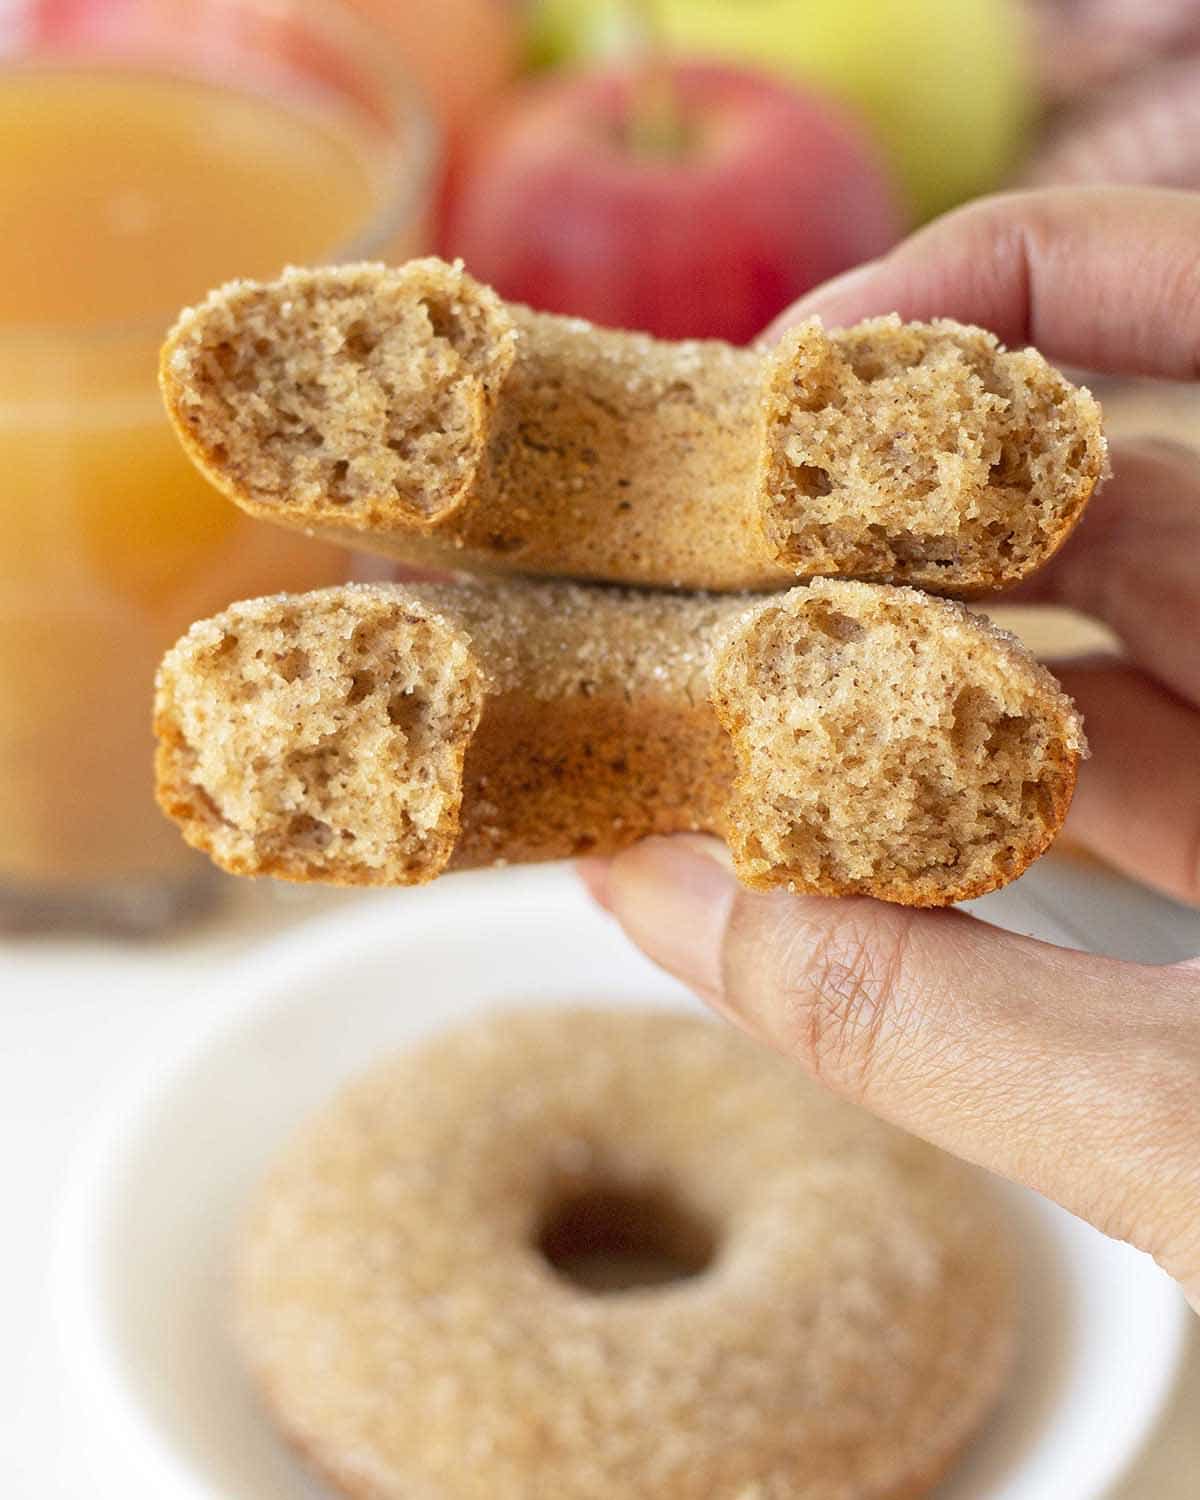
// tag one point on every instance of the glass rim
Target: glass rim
(407, 108)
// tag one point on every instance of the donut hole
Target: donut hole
(608, 1238)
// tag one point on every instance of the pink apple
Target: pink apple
(704, 218)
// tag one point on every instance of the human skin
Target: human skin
(1076, 1074)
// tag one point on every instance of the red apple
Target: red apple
(697, 203)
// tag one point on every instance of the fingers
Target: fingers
(1134, 562)
(1098, 277)
(1137, 803)
(1077, 1075)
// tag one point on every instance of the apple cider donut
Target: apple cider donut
(843, 737)
(801, 1302)
(412, 413)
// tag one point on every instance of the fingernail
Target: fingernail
(673, 896)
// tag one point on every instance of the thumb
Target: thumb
(1075, 1074)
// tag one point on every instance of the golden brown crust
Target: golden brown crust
(844, 738)
(612, 456)
(847, 1326)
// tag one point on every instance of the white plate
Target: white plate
(140, 1267)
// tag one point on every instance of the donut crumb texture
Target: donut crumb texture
(888, 740)
(315, 741)
(365, 393)
(910, 452)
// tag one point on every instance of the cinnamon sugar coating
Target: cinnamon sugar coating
(407, 1305)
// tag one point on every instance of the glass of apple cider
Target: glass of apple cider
(150, 149)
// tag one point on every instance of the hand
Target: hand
(1081, 45)
(1078, 1075)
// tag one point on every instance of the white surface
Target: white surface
(139, 1280)
(80, 1020)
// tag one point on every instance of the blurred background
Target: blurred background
(688, 167)
(683, 166)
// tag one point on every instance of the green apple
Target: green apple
(562, 31)
(946, 84)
